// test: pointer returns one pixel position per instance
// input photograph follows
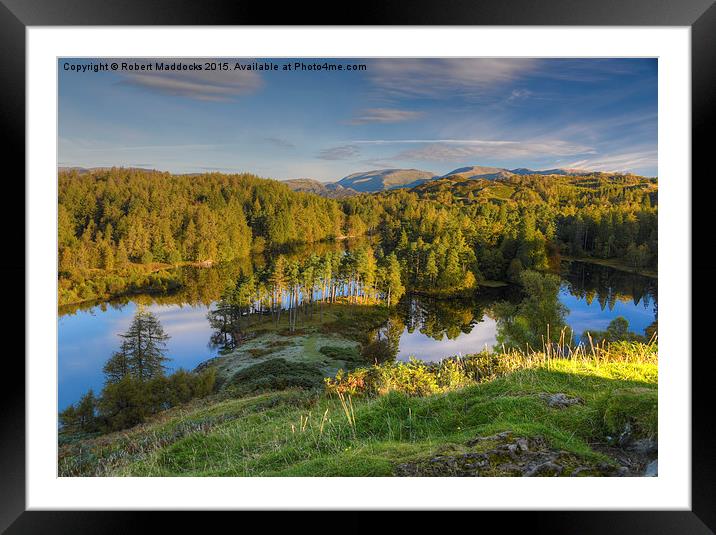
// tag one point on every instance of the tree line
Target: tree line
(447, 235)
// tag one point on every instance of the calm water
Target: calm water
(431, 329)
(594, 295)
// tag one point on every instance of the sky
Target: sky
(430, 114)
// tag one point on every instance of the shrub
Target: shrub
(417, 378)
(276, 374)
(380, 350)
(339, 353)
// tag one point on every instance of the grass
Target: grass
(299, 432)
(329, 340)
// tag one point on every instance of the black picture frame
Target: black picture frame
(16, 15)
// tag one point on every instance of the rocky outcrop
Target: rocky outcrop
(505, 454)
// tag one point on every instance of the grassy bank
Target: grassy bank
(325, 339)
(509, 414)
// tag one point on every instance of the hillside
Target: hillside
(383, 179)
(593, 414)
(601, 188)
(491, 173)
(477, 171)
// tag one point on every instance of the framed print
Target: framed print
(410, 263)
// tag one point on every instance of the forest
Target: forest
(119, 229)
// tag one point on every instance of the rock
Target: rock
(643, 446)
(547, 468)
(652, 469)
(560, 400)
(522, 444)
(506, 455)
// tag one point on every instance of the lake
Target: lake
(431, 329)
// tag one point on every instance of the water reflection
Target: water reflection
(594, 296)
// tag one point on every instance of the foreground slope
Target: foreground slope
(491, 415)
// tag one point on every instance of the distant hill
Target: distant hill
(477, 171)
(558, 171)
(382, 179)
(524, 187)
(491, 173)
(324, 189)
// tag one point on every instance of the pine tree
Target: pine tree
(395, 288)
(117, 367)
(431, 268)
(144, 345)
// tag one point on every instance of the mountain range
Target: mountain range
(385, 179)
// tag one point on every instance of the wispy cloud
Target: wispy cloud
(384, 115)
(517, 150)
(280, 142)
(217, 86)
(624, 162)
(441, 77)
(422, 141)
(343, 152)
(519, 94)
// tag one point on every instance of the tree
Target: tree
(431, 268)
(124, 404)
(86, 418)
(117, 366)
(394, 286)
(81, 417)
(144, 345)
(538, 319)
(617, 330)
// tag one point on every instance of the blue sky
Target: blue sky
(431, 114)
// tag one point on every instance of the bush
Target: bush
(124, 404)
(339, 353)
(130, 401)
(417, 378)
(276, 374)
(380, 350)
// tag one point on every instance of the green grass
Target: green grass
(311, 433)
(329, 340)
